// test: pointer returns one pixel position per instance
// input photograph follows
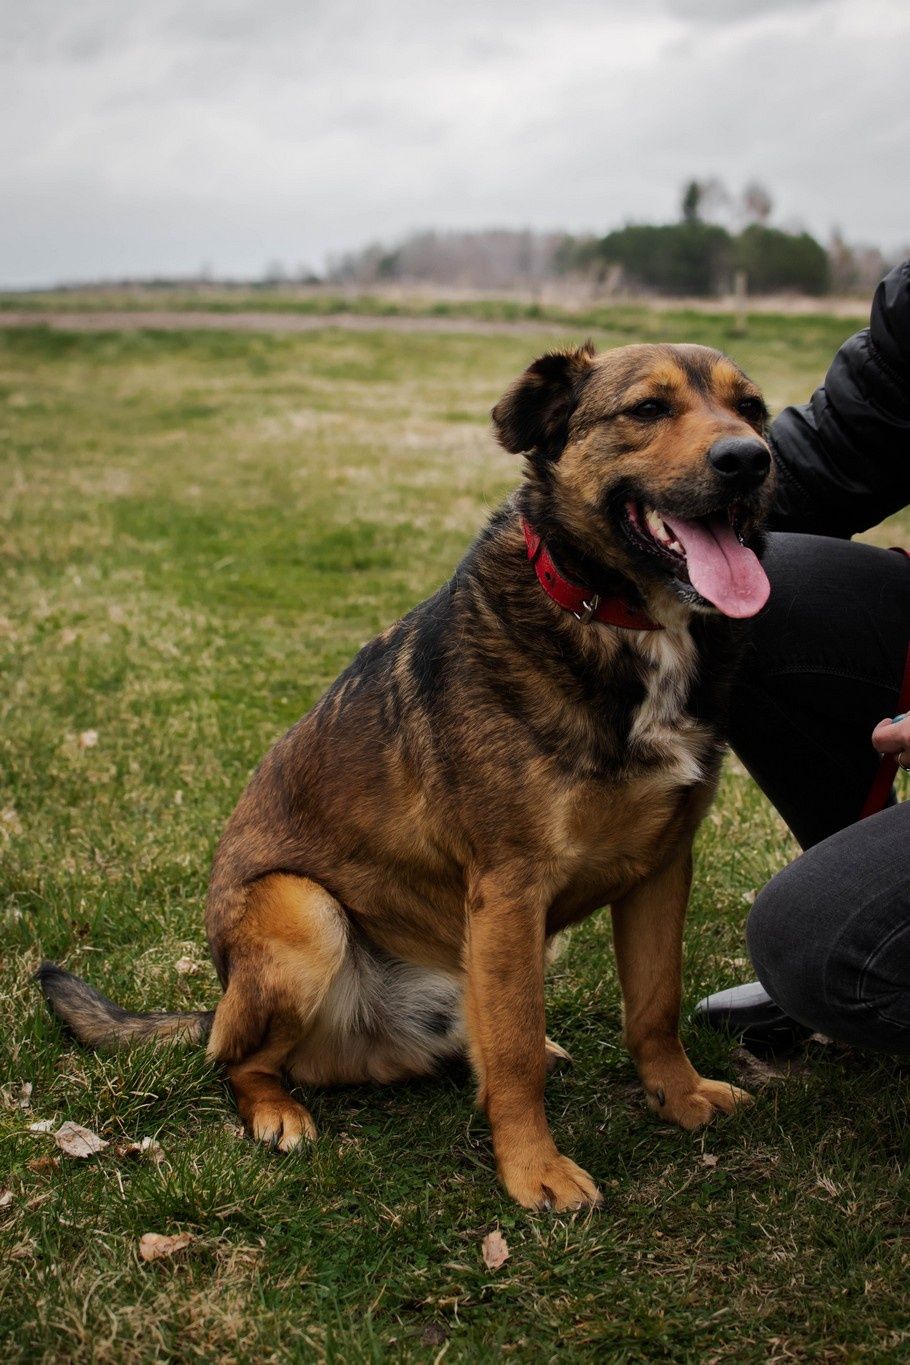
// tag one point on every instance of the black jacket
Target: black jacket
(843, 459)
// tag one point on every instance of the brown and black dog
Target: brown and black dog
(492, 769)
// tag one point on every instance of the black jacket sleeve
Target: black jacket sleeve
(843, 459)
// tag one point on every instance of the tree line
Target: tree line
(700, 254)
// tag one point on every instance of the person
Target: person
(817, 705)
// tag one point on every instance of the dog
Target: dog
(538, 739)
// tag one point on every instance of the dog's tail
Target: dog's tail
(99, 1023)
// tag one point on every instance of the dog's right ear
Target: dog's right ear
(533, 414)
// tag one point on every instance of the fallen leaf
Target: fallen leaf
(154, 1246)
(146, 1146)
(42, 1126)
(708, 1160)
(10, 824)
(88, 739)
(42, 1164)
(754, 1071)
(495, 1250)
(75, 1140)
(185, 966)
(6, 1198)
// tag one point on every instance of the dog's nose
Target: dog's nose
(741, 462)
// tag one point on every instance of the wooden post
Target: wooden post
(740, 316)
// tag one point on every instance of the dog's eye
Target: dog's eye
(650, 409)
(753, 409)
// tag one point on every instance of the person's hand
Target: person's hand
(892, 736)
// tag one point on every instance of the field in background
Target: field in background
(198, 531)
(571, 303)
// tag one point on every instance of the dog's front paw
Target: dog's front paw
(549, 1183)
(694, 1105)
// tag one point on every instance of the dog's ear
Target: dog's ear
(533, 414)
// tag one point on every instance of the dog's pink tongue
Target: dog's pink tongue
(720, 567)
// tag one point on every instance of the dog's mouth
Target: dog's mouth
(707, 554)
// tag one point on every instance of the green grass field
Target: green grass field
(623, 319)
(198, 531)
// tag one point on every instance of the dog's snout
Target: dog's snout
(742, 462)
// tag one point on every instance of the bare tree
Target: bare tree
(495, 259)
(756, 203)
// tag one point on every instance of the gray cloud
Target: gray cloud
(735, 11)
(155, 138)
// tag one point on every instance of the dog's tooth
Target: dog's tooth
(661, 530)
(655, 524)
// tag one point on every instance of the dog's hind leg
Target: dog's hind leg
(286, 949)
(309, 998)
(269, 1113)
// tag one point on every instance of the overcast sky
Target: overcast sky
(151, 136)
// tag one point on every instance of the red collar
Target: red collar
(581, 602)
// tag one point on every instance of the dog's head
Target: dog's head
(654, 462)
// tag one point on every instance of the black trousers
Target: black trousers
(830, 935)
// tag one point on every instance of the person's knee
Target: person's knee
(866, 981)
(830, 961)
(830, 935)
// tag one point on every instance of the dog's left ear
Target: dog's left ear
(533, 414)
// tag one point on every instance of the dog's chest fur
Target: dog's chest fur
(663, 730)
(608, 835)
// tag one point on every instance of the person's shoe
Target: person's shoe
(749, 1014)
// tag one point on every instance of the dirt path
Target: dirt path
(266, 322)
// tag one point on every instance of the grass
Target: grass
(197, 532)
(627, 320)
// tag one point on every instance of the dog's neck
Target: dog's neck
(583, 602)
(595, 672)
(580, 567)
